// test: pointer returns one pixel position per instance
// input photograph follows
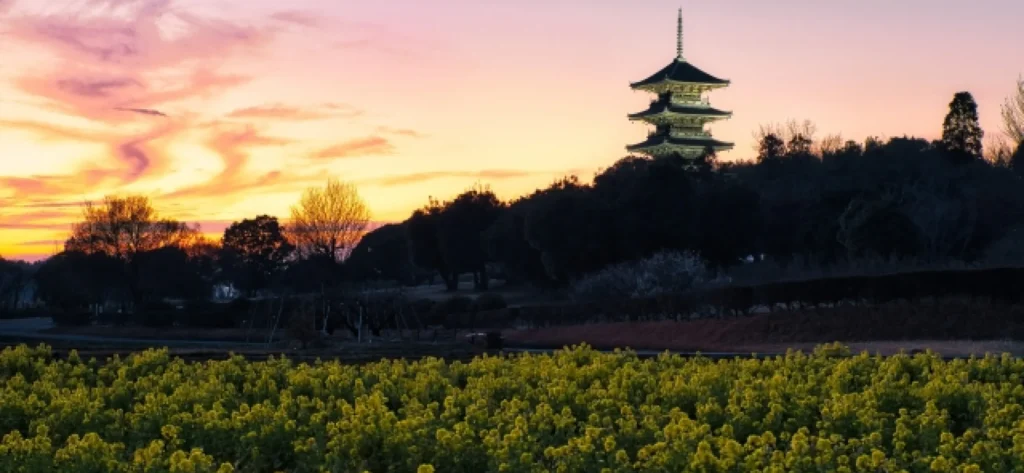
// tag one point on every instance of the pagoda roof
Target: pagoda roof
(681, 71)
(656, 140)
(663, 107)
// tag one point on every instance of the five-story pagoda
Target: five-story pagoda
(680, 111)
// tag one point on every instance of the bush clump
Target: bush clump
(663, 273)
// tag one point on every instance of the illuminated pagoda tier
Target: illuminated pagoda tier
(680, 111)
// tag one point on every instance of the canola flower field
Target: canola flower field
(575, 411)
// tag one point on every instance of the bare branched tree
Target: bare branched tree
(998, 151)
(830, 144)
(124, 227)
(790, 132)
(328, 221)
(1013, 114)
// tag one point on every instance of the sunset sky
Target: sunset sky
(225, 109)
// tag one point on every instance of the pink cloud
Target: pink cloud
(108, 60)
(114, 56)
(132, 38)
(22, 187)
(360, 147)
(297, 17)
(49, 131)
(143, 111)
(40, 220)
(95, 88)
(493, 174)
(400, 132)
(141, 156)
(61, 187)
(232, 145)
(286, 112)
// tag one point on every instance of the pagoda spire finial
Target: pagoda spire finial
(679, 36)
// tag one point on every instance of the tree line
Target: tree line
(803, 200)
(123, 256)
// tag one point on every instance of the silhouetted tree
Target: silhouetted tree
(461, 225)
(1017, 160)
(424, 244)
(313, 274)
(328, 221)
(124, 228)
(873, 144)
(170, 272)
(573, 230)
(797, 137)
(728, 223)
(770, 148)
(652, 205)
(506, 245)
(961, 133)
(830, 145)
(15, 278)
(383, 254)
(705, 163)
(799, 145)
(874, 226)
(1013, 114)
(76, 281)
(254, 251)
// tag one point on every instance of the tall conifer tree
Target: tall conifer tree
(961, 132)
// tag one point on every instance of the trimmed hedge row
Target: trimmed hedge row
(999, 285)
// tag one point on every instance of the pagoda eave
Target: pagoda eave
(673, 86)
(681, 71)
(661, 146)
(668, 116)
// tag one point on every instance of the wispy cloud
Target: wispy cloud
(26, 188)
(103, 88)
(54, 241)
(490, 174)
(51, 131)
(287, 112)
(297, 17)
(40, 220)
(399, 132)
(143, 111)
(373, 145)
(233, 145)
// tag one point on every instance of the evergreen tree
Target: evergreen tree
(961, 133)
(771, 148)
